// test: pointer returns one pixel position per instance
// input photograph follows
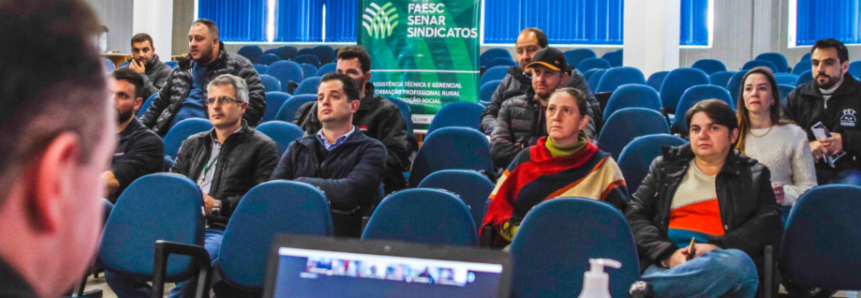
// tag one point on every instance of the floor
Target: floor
(100, 284)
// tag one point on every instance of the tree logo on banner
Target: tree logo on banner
(379, 21)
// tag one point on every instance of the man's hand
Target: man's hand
(110, 182)
(139, 67)
(819, 151)
(208, 202)
(834, 144)
(703, 248)
(679, 257)
(778, 193)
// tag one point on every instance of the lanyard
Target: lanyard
(210, 163)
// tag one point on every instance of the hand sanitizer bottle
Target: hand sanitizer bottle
(596, 283)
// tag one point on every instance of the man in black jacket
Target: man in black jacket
(185, 92)
(833, 98)
(146, 62)
(339, 159)
(140, 151)
(226, 162)
(519, 79)
(377, 117)
(706, 195)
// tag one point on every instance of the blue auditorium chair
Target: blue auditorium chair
(307, 58)
(587, 75)
(759, 63)
(596, 78)
(287, 72)
(270, 51)
(573, 57)
(632, 96)
(404, 108)
(145, 106)
(855, 68)
(268, 59)
(181, 131)
(592, 63)
(675, 84)
(635, 159)
(485, 93)
(618, 76)
(614, 57)
(657, 79)
(709, 66)
(784, 91)
(721, 78)
(801, 66)
(501, 61)
(493, 73)
(421, 215)
(777, 58)
(261, 69)
(270, 83)
(250, 52)
(308, 70)
(324, 53)
(172, 64)
(274, 101)
(460, 114)
(124, 64)
(305, 51)
(451, 148)
(283, 133)
(288, 109)
(286, 52)
(308, 86)
(804, 78)
(806, 57)
(627, 124)
(472, 187)
(326, 69)
(694, 95)
(491, 54)
(735, 82)
(108, 65)
(786, 78)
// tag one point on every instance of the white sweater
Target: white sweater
(786, 152)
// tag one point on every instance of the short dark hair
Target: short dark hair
(349, 84)
(717, 110)
(347, 53)
(39, 103)
(842, 52)
(542, 38)
(131, 76)
(141, 37)
(213, 29)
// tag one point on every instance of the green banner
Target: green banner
(424, 52)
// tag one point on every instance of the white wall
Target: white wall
(117, 16)
(652, 35)
(155, 17)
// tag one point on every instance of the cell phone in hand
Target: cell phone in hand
(692, 249)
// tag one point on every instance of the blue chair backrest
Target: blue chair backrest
(168, 164)
(261, 69)
(421, 215)
(709, 66)
(325, 53)
(676, 82)
(270, 51)
(154, 207)
(694, 95)
(784, 91)
(286, 72)
(735, 82)
(501, 62)
(786, 78)
(451, 148)
(721, 78)
(326, 69)
(802, 66)
(632, 96)
(404, 108)
(304, 51)
(614, 57)
(270, 83)
(250, 52)
(657, 79)
(588, 74)
(596, 78)
(124, 64)
(757, 63)
(805, 57)
(172, 64)
(557, 238)
(283, 133)
(635, 159)
(855, 68)
(821, 240)
(268, 59)
(592, 63)
(618, 76)
(308, 86)
(485, 93)
(181, 131)
(573, 57)
(777, 58)
(493, 73)
(627, 124)
(308, 70)
(462, 114)
(491, 54)
(472, 187)
(310, 59)
(804, 78)
(274, 101)
(288, 109)
(108, 65)
(286, 52)
(274, 207)
(145, 106)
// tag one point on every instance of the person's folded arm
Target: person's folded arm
(366, 176)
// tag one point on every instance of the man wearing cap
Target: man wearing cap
(519, 79)
(521, 118)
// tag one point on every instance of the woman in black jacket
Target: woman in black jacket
(704, 193)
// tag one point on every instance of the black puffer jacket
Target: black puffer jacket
(517, 82)
(247, 159)
(155, 76)
(806, 107)
(379, 119)
(169, 100)
(749, 213)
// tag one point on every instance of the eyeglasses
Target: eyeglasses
(221, 100)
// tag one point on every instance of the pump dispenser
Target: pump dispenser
(596, 283)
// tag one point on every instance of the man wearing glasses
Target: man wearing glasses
(226, 162)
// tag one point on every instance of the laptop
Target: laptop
(306, 266)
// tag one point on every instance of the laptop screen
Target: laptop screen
(324, 273)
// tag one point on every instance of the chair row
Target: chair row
(316, 56)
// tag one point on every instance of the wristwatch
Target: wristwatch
(216, 207)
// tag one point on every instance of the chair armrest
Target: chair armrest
(163, 249)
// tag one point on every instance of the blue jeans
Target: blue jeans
(831, 176)
(134, 288)
(719, 273)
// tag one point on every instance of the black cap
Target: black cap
(550, 58)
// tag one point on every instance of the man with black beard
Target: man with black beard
(139, 151)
